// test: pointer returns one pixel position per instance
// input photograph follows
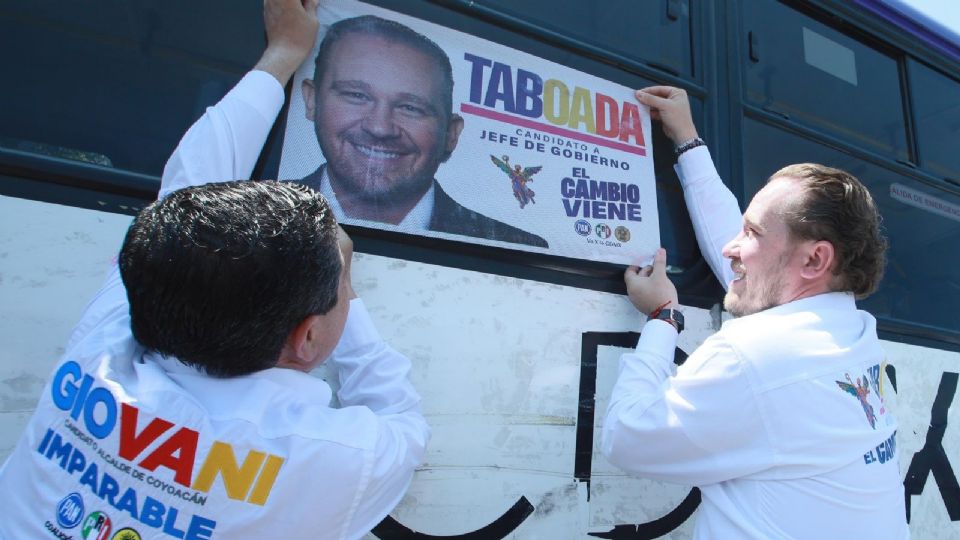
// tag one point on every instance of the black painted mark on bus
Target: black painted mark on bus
(932, 457)
(391, 529)
(589, 348)
(892, 376)
(658, 527)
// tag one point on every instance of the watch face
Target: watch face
(672, 315)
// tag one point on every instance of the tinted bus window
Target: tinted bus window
(820, 77)
(936, 106)
(921, 287)
(658, 32)
(116, 83)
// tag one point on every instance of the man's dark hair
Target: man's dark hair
(392, 31)
(834, 206)
(219, 275)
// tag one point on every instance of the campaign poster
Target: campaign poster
(408, 126)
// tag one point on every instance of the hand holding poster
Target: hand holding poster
(409, 126)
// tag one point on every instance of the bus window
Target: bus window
(117, 84)
(937, 118)
(813, 74)
(921, 288)
(658, 32)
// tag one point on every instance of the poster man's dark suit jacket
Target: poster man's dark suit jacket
(451, 217)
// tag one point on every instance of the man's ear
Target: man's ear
(454, 129)
(818, 261)
(302, 345)
(309, 92)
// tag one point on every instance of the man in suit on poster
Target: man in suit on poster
(381, 101)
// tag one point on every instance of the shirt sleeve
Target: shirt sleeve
(713, 209)
(225, 142)
(374, 375)
(699, 427)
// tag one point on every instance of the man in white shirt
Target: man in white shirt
(183, 407)
(779, 418)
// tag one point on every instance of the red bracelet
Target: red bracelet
(654, 313)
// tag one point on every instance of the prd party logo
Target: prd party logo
(582, 227)
(603, 230)
(97, 526)
(70, 511)
(622, 234)
(127, 533)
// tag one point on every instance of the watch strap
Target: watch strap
(672, 316)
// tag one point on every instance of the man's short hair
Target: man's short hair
(391, 31)
(219, 275)
(836, 207)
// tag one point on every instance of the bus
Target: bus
(514, 351)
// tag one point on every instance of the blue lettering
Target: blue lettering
(476, 76)
(529, 88)
(572, 207)
(100, 430)
(109, 488)
(89, 478)
(65, 394)
(46, 440)
(77, 462)
(500, 88)
(85, 385)
(566, 187)
(200, 528)
(60, 450)
(128, 503)
(170, 525)
(152, 513)
(69, 397)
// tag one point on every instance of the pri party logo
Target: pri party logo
(603, 230)
(97, 526)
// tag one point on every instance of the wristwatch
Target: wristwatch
(672, 316)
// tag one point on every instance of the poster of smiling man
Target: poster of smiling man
(408, 126)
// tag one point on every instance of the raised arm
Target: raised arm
(374, 375)
(225, 142)
(713, 209)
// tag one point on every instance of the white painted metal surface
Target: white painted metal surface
(497, 360)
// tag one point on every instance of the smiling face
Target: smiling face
(379, 118)
(764, 257)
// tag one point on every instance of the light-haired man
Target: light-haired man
(780, 417)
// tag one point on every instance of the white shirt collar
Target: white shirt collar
(418, 219)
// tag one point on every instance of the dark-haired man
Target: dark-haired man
(779, 418)
(182, 407)
(381, 104)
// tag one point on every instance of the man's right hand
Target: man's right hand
(649, 287)
(291, 32)
(346, 249)
(671, 107)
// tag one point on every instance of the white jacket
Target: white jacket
(123, 438)
(779, 417)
